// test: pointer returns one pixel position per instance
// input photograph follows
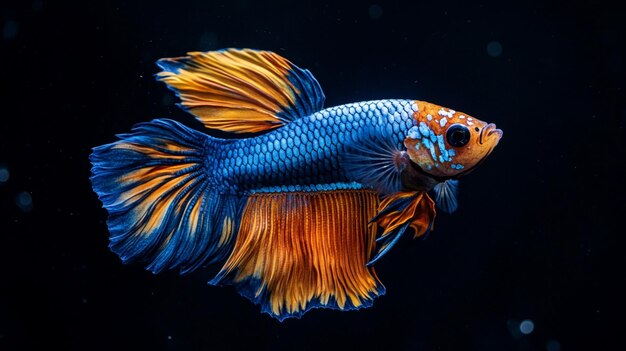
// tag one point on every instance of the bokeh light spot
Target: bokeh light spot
(527, 326)
(375, 11)
(24, 201)
(553, 345)
(37, 5)
(4, 174)
(10, 30)
(494, 49)
(208, 41)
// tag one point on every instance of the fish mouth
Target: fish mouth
(489, 132)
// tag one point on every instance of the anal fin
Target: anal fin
(301, 250)
(397, 213)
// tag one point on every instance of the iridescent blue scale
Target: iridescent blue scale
(309, 150)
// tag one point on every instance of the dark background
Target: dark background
(537, 237)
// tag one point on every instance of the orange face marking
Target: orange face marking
(446, 142)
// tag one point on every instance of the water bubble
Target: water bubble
(553, 345)
(375, 11)
(4, 174)
(37, 5)
(208, 41)
(10, 30)
(24, 201)
(527, 326)
(167, 100)
(494, 49)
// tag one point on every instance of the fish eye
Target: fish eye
(458, 135)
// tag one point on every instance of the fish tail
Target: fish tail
(158, 184)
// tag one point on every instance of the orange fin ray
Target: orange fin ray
(296, 251)
(162, 208)
(397, 213)
(241, 91)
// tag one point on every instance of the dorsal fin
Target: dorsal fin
(241, 90)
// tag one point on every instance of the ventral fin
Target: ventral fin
(398, 212)
(301, 250)
(241, 90)
(446, 194)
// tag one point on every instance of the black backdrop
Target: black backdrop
(536, 237)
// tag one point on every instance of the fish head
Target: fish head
(445, 143)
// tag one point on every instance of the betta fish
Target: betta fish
(299, 202)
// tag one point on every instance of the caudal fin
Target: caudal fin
(157, 186)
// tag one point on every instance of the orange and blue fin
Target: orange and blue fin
(301, 250)
(397, 213)
(241, 90)
(162, 208)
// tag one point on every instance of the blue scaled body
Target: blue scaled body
(307, 153)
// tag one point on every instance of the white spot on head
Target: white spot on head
(414, 106)
(527, 326)
(429, 117)
(443, 112)
(470, 123)
(470, 119)
(461, 116)
(443, 121)
(414, 133)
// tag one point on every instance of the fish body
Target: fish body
(296, 212)
(309, 151)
